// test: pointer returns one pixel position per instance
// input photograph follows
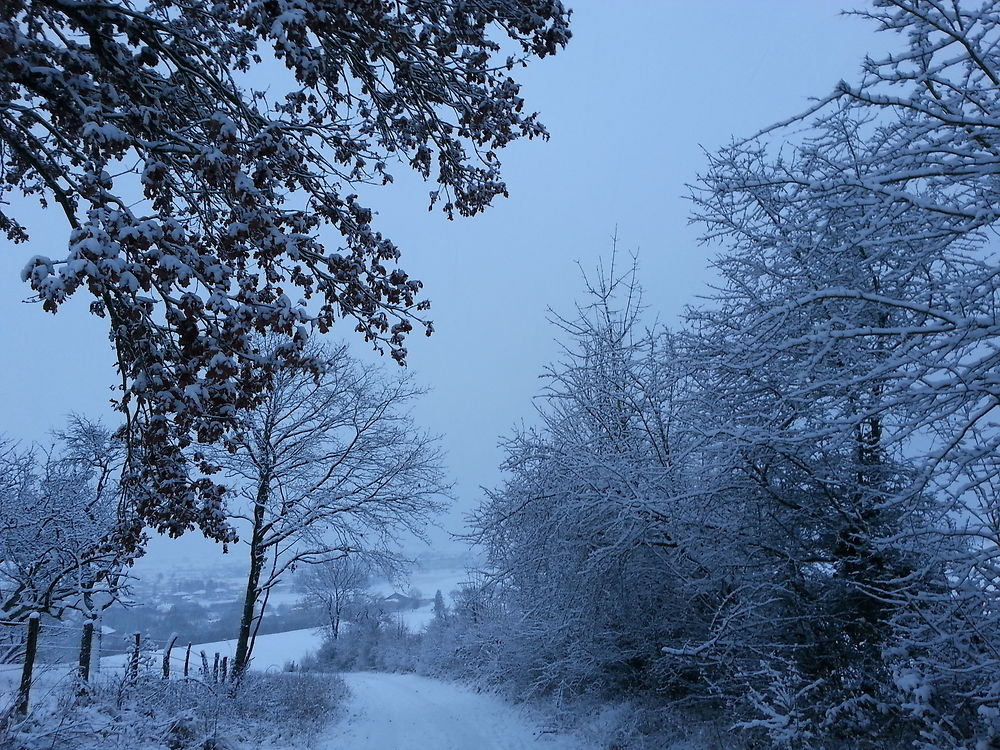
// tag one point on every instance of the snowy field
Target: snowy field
(426, 582)
(270, 652)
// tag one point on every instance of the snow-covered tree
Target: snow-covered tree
(814, 458)
(861, 296)
(57, 508)
(596, 542)
(326, 468)
(204, 206)
(823, 517)
(440, 608)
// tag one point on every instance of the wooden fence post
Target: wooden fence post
(86, 647)
(166, 658)
(187, 660)
(34, 623)
(134, 660)
(215, 668)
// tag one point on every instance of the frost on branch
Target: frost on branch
(201, 209)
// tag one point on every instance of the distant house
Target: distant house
(399, 601)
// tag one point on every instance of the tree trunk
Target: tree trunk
(166, 657)
(34, 622)
(252, 595)
(86, 644)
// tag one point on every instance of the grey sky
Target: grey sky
(641, 88)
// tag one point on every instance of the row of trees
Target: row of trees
(786, 513)
(56, 508)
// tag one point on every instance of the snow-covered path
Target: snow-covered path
(408, 712)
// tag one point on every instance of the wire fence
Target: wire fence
(138, 655)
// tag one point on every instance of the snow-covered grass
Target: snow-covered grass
(271, 653)
(264, 711)
(275, 710)
(416, 620)
(270, 708)
(426, 581)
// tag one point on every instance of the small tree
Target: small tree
(598, 542)
(440, 608)
(334, 584)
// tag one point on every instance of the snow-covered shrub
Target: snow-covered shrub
(946, 674)
(781, 708)
(380, 643)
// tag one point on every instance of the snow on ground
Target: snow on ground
(384, 711)
(285, 595)
(46, 679)
(416, 620)
(426, 582)
(270, 652)
(405, 711)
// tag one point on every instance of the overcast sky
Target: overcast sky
(642, 88)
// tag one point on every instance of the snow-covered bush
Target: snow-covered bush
(370, 638)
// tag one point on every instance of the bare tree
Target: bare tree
(333, 584)
(329, 467)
